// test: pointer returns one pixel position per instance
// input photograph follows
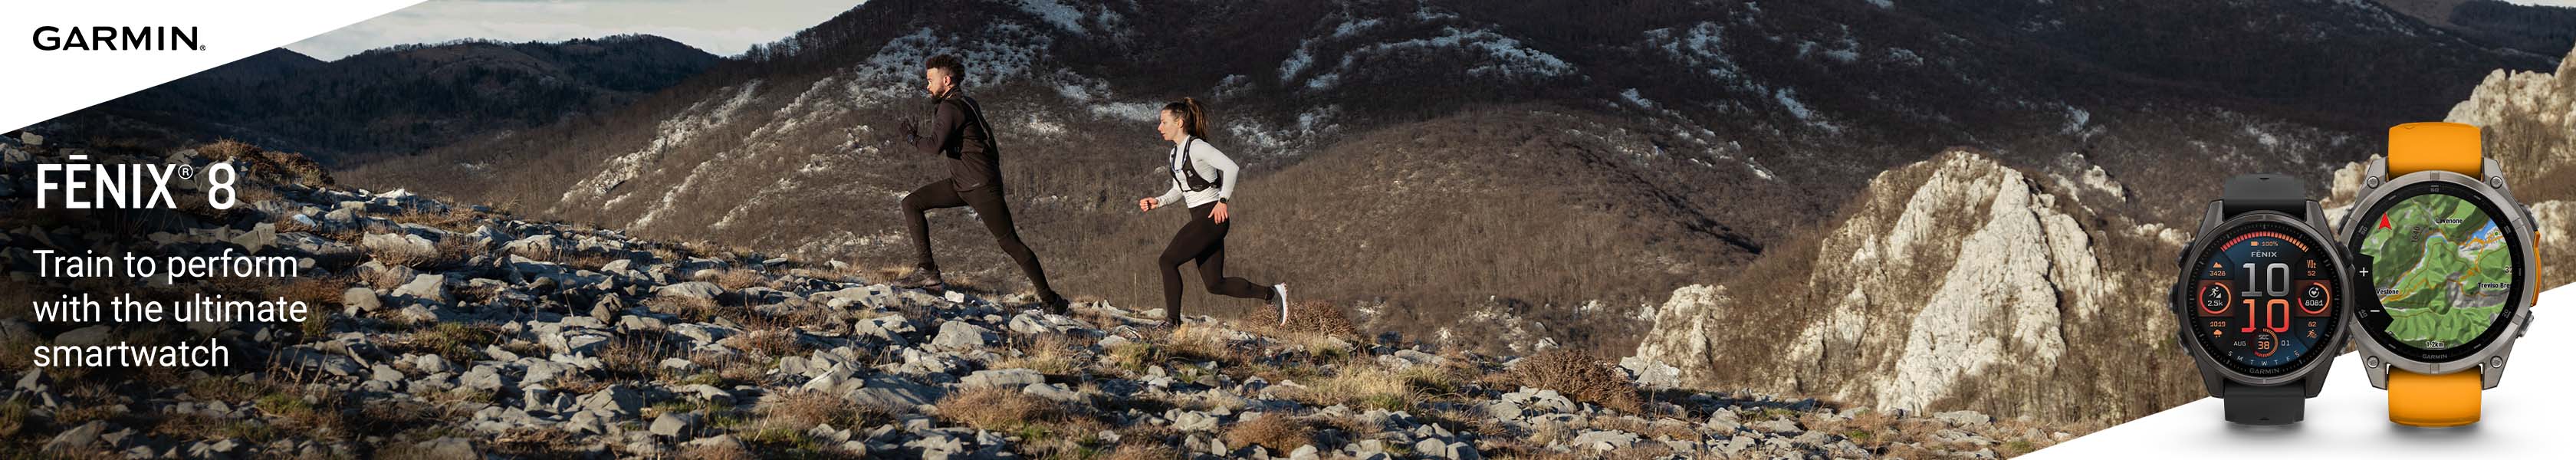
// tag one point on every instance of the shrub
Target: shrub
(1579, 377)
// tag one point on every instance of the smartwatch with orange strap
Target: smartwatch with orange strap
(2451, 268)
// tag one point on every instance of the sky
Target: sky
(724, 28)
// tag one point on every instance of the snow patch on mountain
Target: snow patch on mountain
(1702, 46)
(677, 130)
(1499, 56)
(1058, 14)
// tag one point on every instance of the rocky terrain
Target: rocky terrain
(1963, 282)
(1605, 156)
(454, 332)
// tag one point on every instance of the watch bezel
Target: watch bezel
(2507, 327)
(2323, 355)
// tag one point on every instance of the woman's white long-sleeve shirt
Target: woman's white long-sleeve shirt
(1208, 162)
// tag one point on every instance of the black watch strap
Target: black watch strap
(2265, 192)
(2264, 405)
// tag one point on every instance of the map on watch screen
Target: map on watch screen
(2441, 270)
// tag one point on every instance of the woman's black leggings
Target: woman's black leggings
(1203, 241)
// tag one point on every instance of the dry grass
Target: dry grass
(717, 452)
(1201, 344)
(457, 219)
(1279, 433)
(1046, 429)
(1309, 317)
(1360, 384)
(807, 408)
(770, 343)
(636, 354)
(1051, 354)
(999, 409)
(447, 252)
(456, 342)
(689, 309)
(1143, 451)
(1579, 377)
(735, 279)
(268, 166)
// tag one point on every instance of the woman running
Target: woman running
(1192, 162)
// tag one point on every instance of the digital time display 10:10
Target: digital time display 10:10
(2264, 300)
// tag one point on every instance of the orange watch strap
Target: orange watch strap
(2434, 146)
(2433, 400)
(2446, 399)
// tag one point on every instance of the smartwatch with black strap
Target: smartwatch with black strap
(2261, 299)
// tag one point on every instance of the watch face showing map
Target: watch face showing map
(2444, 270)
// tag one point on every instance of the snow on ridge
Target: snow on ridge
(1510, 57)
(994, 54)
(1266, 140)
(673, 132)
(1059, 14)
(1701, 46)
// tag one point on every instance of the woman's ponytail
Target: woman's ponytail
(1193, 117)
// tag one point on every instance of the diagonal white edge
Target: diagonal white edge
(2525, 415)
(38, 85)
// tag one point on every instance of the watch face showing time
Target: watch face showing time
(2265, 298)
(2443, 268)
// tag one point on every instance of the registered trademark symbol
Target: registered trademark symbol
(186, 172)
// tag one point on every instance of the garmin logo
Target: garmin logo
(104, 38)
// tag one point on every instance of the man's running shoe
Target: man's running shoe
(923, 279)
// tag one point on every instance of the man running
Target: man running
(975, 179)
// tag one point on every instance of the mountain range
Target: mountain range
(1829, 198)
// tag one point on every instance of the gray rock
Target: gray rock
(447, 448)
(1053, 392)
(719, 443)
(702, 333)
(79, 437)
(1721, 422)
(534, 247)
(957, 335)
(418, 314)
(673, 425)
(430, 363)
(582, 343)
(1651, 374)
(1305, 452)
(691, 290)
(1962, 417)
(332, 363)
(1605, 440)
(1541, 399)
(361, 300)
(1005, 378)
(891, 392)
(617, 401)
(1188, 420)
(93, 335)
(425, 287)
(398, 243)
(1782, 426)
(384, 373)
(481, 377)
(1433, 448)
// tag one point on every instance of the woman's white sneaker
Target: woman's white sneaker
(1279, 293)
